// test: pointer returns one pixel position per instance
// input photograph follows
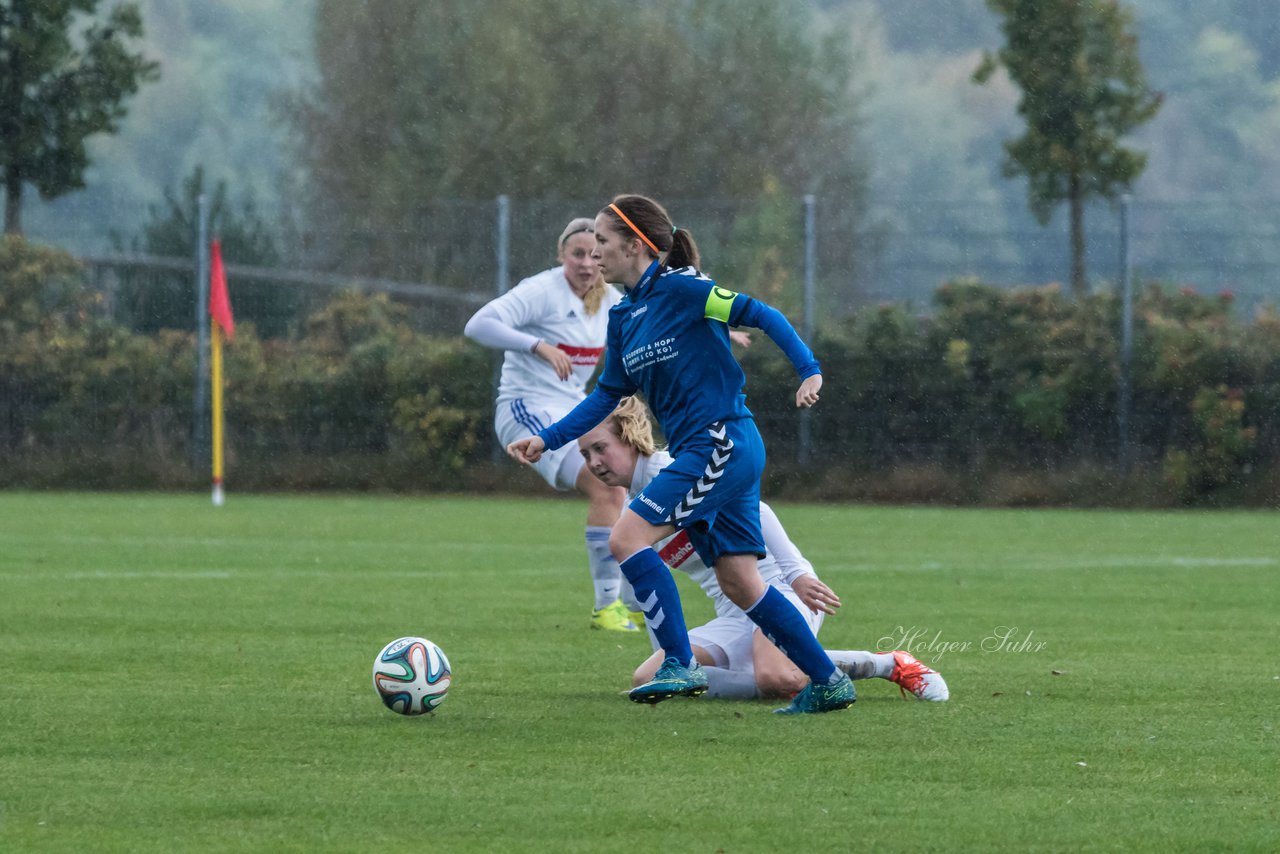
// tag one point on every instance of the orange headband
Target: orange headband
(647, 241)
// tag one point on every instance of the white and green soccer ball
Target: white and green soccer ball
(411, 676)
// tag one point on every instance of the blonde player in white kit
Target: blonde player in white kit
(739, 660)
(552, 327)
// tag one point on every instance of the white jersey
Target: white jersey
(781, 564)
(546, 307)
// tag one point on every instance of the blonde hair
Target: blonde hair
(594, 297)
(630, 423)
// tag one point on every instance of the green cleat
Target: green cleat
(815, 699)
(613, 618)
(636, 617)
(672, 680)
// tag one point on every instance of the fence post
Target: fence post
(1125, 401)
(503, 250)
(804, 447)
(200, 427)
(503, 247)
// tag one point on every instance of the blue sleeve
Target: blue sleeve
(613, 385)
(582, 419)
(770, 321)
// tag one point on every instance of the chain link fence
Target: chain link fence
(819, 263)
(456, 254)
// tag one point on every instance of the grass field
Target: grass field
(175, 677)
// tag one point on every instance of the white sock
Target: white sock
(628, 595)
(725, 684)
(606, 577)
(860, 664)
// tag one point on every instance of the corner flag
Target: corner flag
(224, 323)
(219, 301)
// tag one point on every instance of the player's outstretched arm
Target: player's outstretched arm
(774, 323)
(527, 451)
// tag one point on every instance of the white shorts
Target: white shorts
(524, 417)
(728, 638)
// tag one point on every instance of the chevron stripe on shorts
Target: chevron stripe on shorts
(720, 455)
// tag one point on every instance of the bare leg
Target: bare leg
(606, 502)
(632, 534)
(776, 675)
(740, 579)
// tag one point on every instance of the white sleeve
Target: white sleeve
(486, 327)
(790, 561)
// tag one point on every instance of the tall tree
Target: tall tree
(1083, 88)
(59, 87)
(151, 302)
(419, 103)
(246, 236)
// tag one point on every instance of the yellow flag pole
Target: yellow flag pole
(216, 365)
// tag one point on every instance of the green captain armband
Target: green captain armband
(719, 303)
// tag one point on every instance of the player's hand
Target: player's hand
(555, 357)
(807, 395)
(815, 595)
(742, 339)
(527, 451)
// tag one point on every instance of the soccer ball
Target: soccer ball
(411, 676)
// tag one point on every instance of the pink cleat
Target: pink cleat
(912, 675)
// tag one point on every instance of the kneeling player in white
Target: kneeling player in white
(739, 660)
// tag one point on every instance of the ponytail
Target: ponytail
(648, 220)
(684, 252)
(594, 297)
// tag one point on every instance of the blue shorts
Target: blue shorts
(712, 490)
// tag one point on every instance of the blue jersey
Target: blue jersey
(669, 339)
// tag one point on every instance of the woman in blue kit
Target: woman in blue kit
(668, 338)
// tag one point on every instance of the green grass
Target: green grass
(179, 677)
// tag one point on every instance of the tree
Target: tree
(164, 301)
(172, 226)
(58, 88)
(1083, 89)
(418, 104)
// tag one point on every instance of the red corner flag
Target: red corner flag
(219, 302)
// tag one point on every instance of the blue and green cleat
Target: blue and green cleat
(673, 679)
(815, 699)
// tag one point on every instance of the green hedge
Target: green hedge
(999, 382)
(995, 395)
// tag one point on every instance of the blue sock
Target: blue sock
(784, 625)
(660, 601)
